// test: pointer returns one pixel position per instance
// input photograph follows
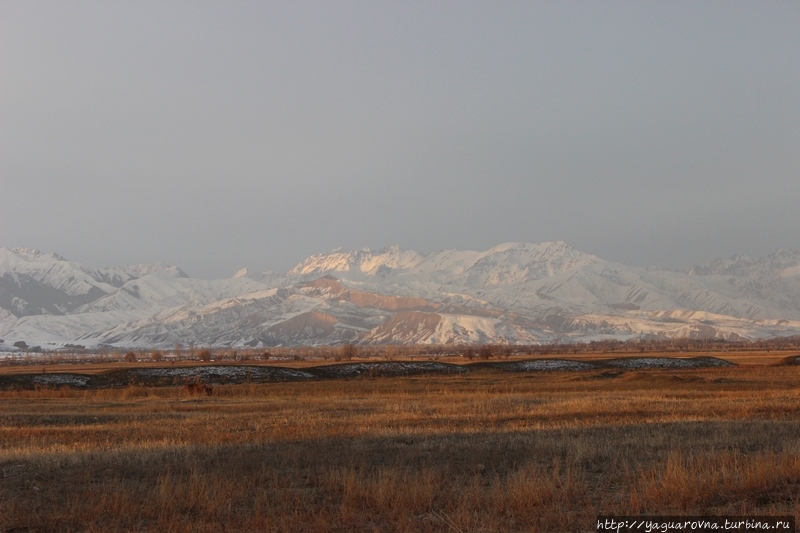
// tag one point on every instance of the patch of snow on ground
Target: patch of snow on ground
(391, 368)
(548, 364)
(226, 372)
(73, 380)
(667, 362)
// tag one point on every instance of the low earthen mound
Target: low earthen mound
(199, 380)
(792, 360)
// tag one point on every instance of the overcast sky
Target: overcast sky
(217, 135)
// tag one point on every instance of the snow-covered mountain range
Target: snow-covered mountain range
(513, 293)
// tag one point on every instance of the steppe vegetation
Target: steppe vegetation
(480, 451)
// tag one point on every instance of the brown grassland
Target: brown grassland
(484, 451)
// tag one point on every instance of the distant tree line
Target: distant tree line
(389, 352)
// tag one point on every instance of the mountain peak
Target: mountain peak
(541, 249)
(362, 262)
(34, 254)
(28, 252)
(504, 264)
(159, 268)
(772, 265)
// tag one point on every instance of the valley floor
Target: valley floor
(478, 451)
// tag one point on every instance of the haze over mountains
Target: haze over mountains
(513, 293)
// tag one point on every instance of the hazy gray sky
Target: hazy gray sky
(216, 135)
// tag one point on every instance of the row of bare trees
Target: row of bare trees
(391, 352)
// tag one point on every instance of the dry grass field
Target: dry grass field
(484, 451)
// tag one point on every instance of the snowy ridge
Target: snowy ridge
(506, 263)
(512, 293)
(365, 261)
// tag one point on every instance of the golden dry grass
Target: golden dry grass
(485, 451)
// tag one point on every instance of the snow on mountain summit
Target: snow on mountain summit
(14, 257)
(45, 277)
(34, 254)
(159, 269)
(34, 283)
(780, 262)
(505, 262)
(365, 261)
(516, 262)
